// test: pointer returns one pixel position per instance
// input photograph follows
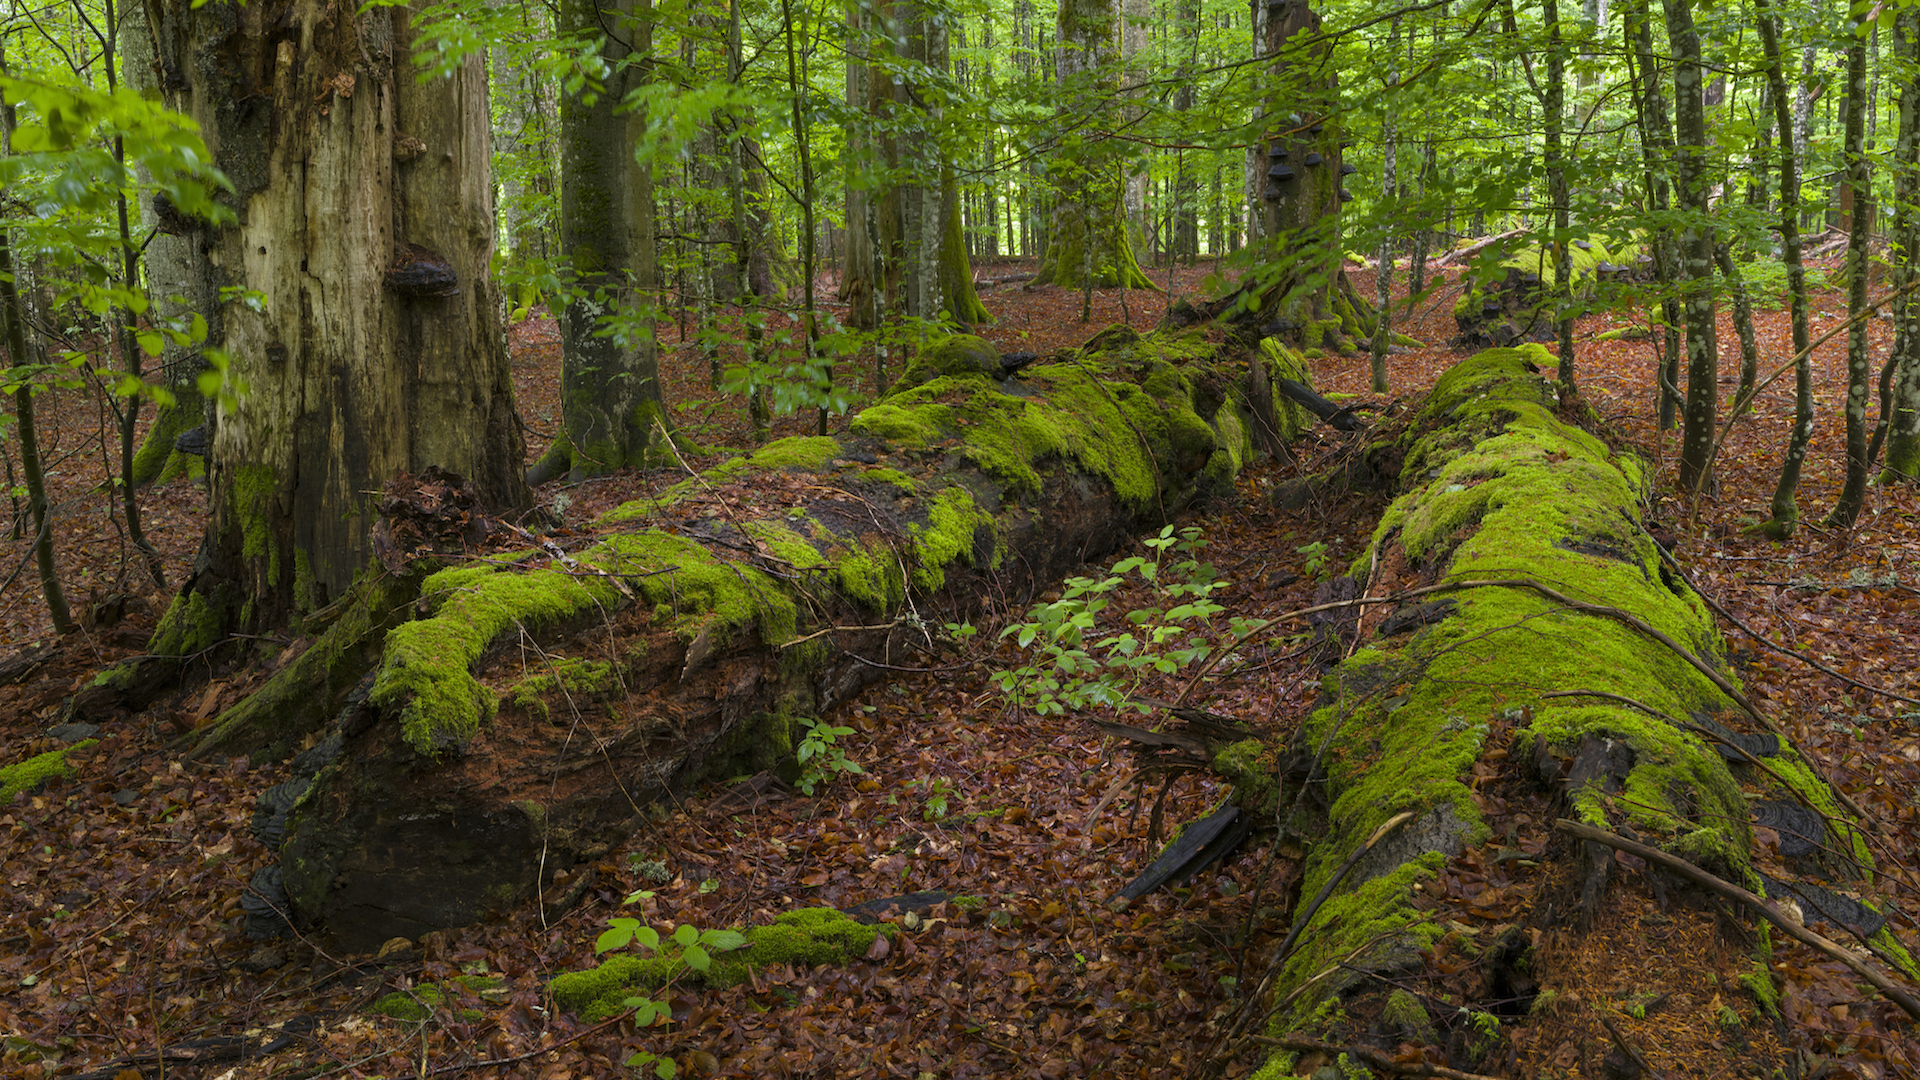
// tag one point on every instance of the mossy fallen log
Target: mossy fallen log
(1508, 298)
(526, 709)
(1571, 665)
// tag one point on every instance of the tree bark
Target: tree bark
(1089, 242)
(612, 412)
(1301, 293)
(1903, 443)
(688, 643)
(1695, 182)
(1784, 507)
(365, 226)
(1853, 492)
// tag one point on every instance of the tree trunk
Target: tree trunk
(1656, 146)
(612, 413)
(1695, 182)
(691, 639)
(177, 289)
(1301, 293)
(1853, 493)
(365, 224)
(1538, 651)
(1089, 244)
(1903, 443)
(1784, 508)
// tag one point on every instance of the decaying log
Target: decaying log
(1559, 667)
(528, 704)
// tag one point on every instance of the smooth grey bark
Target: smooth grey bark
(1383, 277)
(612, 412)
(1859, 179)
(1555, 111)
(1784, 507)
(1695, 184)
(365, 224)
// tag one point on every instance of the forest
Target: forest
(1333, 538)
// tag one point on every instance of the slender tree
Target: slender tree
(1695, 182)
(1784, 508)
(612, 410)
(1853, 492)
(1903, 407)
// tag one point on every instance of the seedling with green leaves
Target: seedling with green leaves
(1161, 639)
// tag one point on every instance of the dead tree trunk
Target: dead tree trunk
(530, 703)
(1519, 653)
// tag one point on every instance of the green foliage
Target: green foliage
(695, 953)
(1316, 554)
(1068, 673)
(821, 756)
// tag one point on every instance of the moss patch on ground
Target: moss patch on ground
(31, 773)
(807, 936)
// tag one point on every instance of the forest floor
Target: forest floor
(121, 886)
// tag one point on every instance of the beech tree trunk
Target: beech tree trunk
(1695, 183)
(612, 413)
(365, 226)
(1088, 242)
(1903, 443)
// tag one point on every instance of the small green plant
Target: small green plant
(696, 954)
(1067, 673)
(821, 756)
(1316, 554)
(933, 805)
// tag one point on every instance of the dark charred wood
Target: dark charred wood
(1337, 416)
(1204, 843)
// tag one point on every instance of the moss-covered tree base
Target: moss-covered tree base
(525, 707)
(1529, 664)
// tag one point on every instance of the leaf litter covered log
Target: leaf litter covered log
(526, 708)
(1575, 677)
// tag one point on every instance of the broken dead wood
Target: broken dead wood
(1335, 415)
(1202, 844)
(1530, 525)
(525, 708)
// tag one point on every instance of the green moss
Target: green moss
(1141, 433)
(957, 356)
(700, 586)
(785, 544)
(906, 484)
(806, 452)
(1500, 488)
(563, 674)
(31, 773)
(192, 624)
(426, 667)
(418, 1005)
(952, 525)
(807, 936)
(255, 492)
(303, 595)
(119, 675)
